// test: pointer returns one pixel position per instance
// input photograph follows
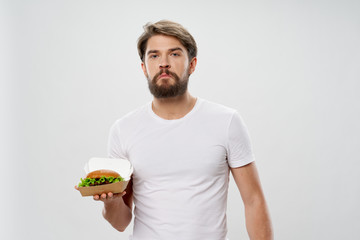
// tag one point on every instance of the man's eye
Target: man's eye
(175, 54)
(153, 56)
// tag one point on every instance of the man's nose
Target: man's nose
(164, 63)
(164, 66)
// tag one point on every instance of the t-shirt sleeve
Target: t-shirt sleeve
(115, 149)
(239, 152)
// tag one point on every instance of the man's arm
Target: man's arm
(257, 217)
(118, 207)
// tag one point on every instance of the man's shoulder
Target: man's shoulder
(217, 108)
(133, 116)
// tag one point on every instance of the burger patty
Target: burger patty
(97, 183)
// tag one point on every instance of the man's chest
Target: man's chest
(177, 151)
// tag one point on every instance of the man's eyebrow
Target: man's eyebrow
(176, 49)
(152, 51)
(170, 50)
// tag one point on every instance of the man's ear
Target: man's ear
(143, 66)
(192, 65)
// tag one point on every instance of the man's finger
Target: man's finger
(96, 197)
(103, 196)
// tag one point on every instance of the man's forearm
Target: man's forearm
(118, 214)
(258, 221)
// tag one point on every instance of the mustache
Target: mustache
(166, 71)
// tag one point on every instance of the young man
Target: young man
(182, 149)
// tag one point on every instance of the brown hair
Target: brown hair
(168, 28)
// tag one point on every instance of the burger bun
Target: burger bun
(102, 173)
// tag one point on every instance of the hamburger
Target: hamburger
(100, 177)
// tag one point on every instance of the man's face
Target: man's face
(166, 66)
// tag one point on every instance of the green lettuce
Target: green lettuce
(87, 182)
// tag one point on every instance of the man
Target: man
(182, 149)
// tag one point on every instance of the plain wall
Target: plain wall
(69, 69)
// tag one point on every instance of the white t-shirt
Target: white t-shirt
(181, 169)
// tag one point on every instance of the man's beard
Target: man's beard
(166, 90)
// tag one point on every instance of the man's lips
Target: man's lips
(164, 75)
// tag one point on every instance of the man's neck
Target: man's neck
(175, 107)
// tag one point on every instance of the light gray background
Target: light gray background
(69, 69)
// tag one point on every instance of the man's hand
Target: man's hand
(106, 198)
(109, 197)
(117, 207)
